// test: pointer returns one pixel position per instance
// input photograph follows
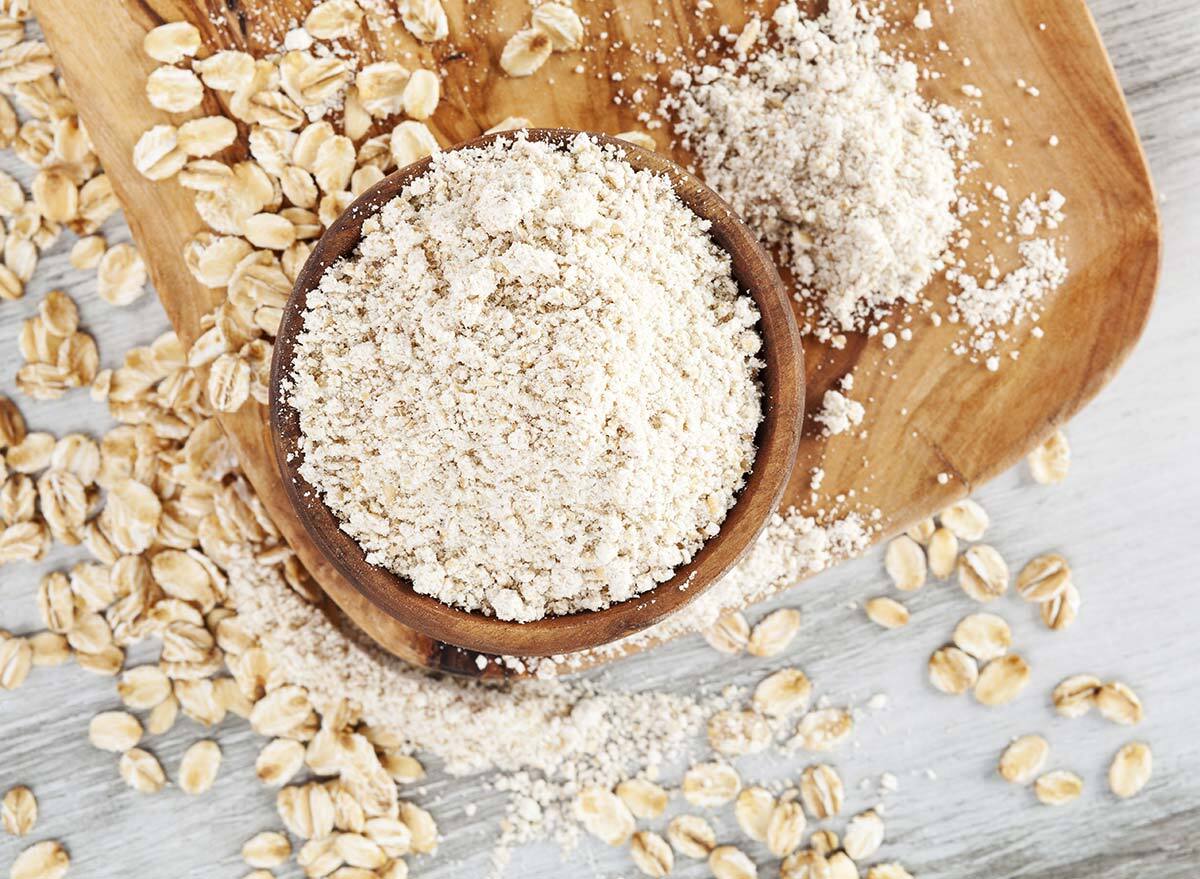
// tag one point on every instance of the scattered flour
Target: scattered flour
(990, 308)
(824, 145)
(1032, 214)
(562, 729)
(532, 390)
(548, 739)
(792, 546)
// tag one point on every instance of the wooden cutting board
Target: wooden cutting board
(928, 411)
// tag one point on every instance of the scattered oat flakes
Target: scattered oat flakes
(753, 810)
(561, 24)
(425, 20)
(729, 862)
(709, 785)
(824, 729)
(1117, 702)
(840, 864)
(774, 632)
(267, 849)
(122, 275)
(143, 687)
(782, 693)
(1058, 787)
(644, 798)
(1059, 612)
(604, 815)
(334, 19)
(982, 573)
(966, 519)
(1050, 462)
(227, 70)
(204, 137)
(174, 89)
(56, 602)
(410, 141)
(864, 835)
(824, 841)
(42, 860)
(228, 386)
(18, 811)
(12, 424)
(1023, 759)
(199, 766)
(1044, 578)
(691, 836)
(805, 864)
(1002, 680)
(651, 854)
(888, 871)
(905, 563)
(141, 771)
(952, 670)
(403, 768)
(1130, 769)
(984, 636)
(49, 649)
(942, 553)
(16, 654)
(421, 94)
(821, 791)
(509, 123)
(638, 139)
(114, 731)
(171, 43)
(157, 155)
(886, 612)
(729, 634)
(922, 531)
(1075, 696)
(785, 829)
(525, 52)
(280, 711)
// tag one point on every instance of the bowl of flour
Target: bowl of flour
(536, 392)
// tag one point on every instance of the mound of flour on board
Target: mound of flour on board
(824, 145)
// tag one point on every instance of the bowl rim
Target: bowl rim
(777, 440)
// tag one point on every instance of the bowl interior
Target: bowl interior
(777, 439)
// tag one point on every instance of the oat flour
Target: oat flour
(824, 145)
(532, 389)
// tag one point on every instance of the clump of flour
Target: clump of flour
(532, 389)
(824, 145)
(838, 412)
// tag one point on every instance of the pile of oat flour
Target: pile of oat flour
(532, 389)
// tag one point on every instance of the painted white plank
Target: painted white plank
(1127, 519)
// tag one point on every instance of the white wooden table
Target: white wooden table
(1127, 518)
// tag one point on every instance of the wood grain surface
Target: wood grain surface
(930, 413)
(1126, 518)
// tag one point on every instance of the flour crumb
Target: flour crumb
(838, 412)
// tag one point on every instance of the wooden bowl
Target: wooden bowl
(777, 439)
